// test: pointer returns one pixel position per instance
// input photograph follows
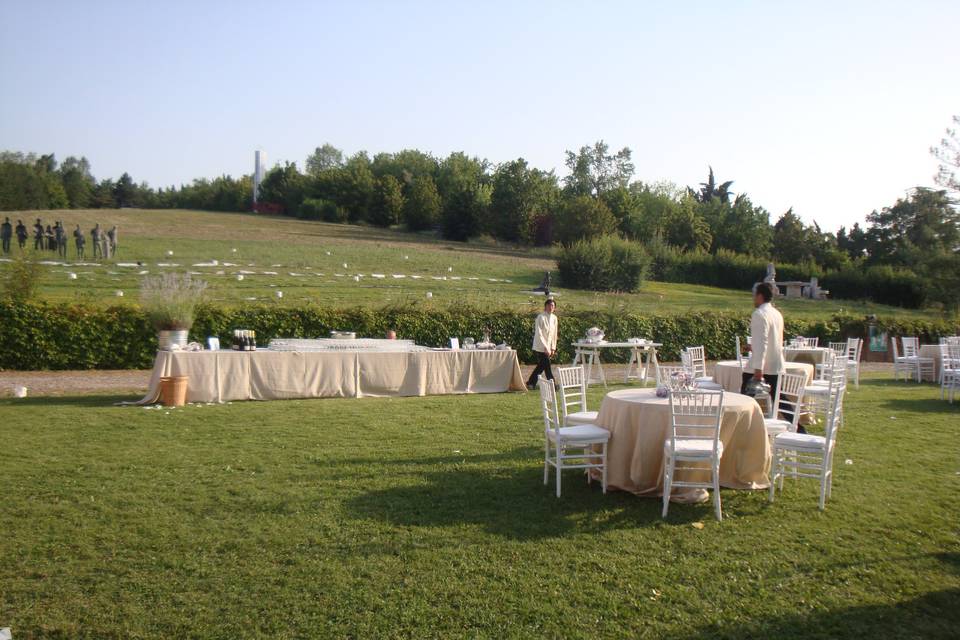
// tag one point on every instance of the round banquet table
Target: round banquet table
(639, 423)
(727, 373)
(810, 355)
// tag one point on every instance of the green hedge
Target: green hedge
(76, 336)
(881, 284)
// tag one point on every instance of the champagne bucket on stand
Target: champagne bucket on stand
(167, 339)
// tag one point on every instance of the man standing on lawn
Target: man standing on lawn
(6, 232)
(21, 234)
(766, 341)
(544, 342)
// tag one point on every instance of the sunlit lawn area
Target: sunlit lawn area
(289, 255)
(427, 517)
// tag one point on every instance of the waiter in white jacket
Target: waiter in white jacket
(766, 341)
(544, 342)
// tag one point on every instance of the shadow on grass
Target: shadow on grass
(932, 404)
(932, 615)
(95, 400)
(513, 502)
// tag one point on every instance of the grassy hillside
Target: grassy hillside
(305, 261)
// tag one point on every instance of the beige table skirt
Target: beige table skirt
(639, 423)
(728, 374)
(810, 355)
(932, 351)
(221, 376)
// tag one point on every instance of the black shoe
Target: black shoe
(801, 429)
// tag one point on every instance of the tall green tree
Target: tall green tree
(284, 186)
(388, 202)
(521, 199)
(594, 170)
(582, 218)
(854, 242)
(421, 208)
(124, 191)
(712, 190)
(405, 166)
(914, 228)
(78, 183)
(685, 228)
(948, 154)
(356, 189)
(740, 226)
(323, 159)
(463, 183)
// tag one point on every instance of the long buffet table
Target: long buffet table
(221, 376)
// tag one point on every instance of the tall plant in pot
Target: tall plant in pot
(171, 301)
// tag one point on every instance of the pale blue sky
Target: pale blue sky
(829, 107)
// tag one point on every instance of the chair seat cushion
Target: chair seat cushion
(816, 390)
(582, 416)
(699, 448)
(582, 432)
(777, 426)
(806, 441)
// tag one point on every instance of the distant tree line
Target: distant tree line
(29, 181)
(463, 197)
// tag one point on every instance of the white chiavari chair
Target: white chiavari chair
(574, 444)
(788, 405)
(693, 444)
(805, 455)
(949, 370)
(911, 353)
(697, 361)
(572, 385)
(665, 372)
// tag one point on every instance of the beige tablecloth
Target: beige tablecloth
(728, 374)
(221, 376)
(810, 355)
(639, 423)
(932, 351)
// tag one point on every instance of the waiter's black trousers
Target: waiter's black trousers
(543, 366)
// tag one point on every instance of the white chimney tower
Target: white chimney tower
(259, 159)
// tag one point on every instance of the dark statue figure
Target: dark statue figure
(544, 284)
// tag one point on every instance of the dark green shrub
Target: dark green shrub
(320, 209)
(20, 278)
(606, 263)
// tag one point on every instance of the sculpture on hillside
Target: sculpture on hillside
(771, 276)
(544, 284)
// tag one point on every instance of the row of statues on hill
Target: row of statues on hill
(103, 242)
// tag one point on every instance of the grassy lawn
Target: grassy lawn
(289, 255)
(427, 517)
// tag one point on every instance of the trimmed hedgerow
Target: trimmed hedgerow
(77, 336)
(881, 284)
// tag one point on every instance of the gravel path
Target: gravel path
(70, 383)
